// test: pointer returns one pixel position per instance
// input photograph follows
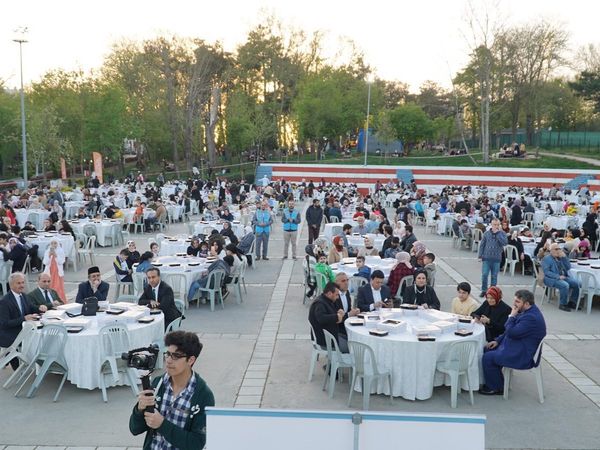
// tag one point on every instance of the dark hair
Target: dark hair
(346, 226)
(409, 228)
(362, 258)
(229, 260)
(419, 272)
(153, 269)
(330, 287)
(395, 240)
(388, 229)
(464, 286)
(185, 341)
(377, 274)
(525, 296)
(430, 255)
(146, 256)
(125, 252)
(232, 248)
(154, 243)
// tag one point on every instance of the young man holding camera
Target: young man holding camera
(179, 399)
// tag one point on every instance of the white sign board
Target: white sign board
(265, 429)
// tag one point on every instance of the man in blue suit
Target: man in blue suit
(375, 294)
(15, 309)
(515, 348)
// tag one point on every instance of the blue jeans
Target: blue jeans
(197, 285)
(487, 267)
(563, 287)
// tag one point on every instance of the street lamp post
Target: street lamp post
(367, 127)
(22, 41)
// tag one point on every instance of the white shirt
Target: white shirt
(376, 297)
(344, 300)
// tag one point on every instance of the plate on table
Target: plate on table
(583, 263)
(595, 267)
(174, 265)
(146, 320)
(180, 254)
(193, 264)
(236, 221)
(157, 264)
(172, 240)
(74, 329)
(48, 235)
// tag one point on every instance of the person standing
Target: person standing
(290, 219)
(179, 398)
(262, 221)
(314, 216)
(491, 249)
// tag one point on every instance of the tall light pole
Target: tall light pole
(367, 127)
(22, 41)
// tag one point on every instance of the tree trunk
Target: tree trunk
(171, 107)
(215, 98)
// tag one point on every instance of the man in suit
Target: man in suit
(14, 310)
(515, 348)
(94, 287)
(344, 300)
(158, 294)
(375, 294)
(43, 295)
(325, 315)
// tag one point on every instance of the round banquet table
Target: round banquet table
(412, 363)
(237, 227)
(36, 216)
(192, 273)
(103, 228)
(82, 350)
(43, 241)
(358, 241)
(169, 247)
(374, 262)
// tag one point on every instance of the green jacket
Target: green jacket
(325, 270)
(193, 435)
(37, 298)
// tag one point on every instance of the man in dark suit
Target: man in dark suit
(17, 253)
(158, 294)
(94, 287)
(324, 315)
(344, 300)
(375, 294)
(43, 295)
(14, 310)
(516, 347)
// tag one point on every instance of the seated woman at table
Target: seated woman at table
(54, 260)
(154, 249)
(317, 247)
(323, 268)
(420, 293)
(122, 270)
(571, 241)
(584, 249)
(48, 225)
(236, 267)
(145, 261)
(226, 231)
(134, 255)
(226, 215)
(28, 227)
(368, 249)
(65, 227)
(337, 251)
(492, 313)
(417, 253)
(403, 268)
(194, 247)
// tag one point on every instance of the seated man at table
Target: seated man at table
(344, 300)
(43, 294)
(14, 310)
(94, 287)
(158, 294)
(361, 228)
(180, 397)
(325, 315)
(516, 347)
(556, 268)
(375, 294)
(347, 231)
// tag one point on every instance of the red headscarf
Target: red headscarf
(495, 292)
(338, 243)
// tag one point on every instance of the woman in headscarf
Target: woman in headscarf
(516, 213)
(590, 226)
(417, 253)
(493, 313)
(402, 269)
(318, 246)
(420, 293)
(54, 260)
(338, 251)
(368, 249)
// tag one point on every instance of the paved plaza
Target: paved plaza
(256, 354)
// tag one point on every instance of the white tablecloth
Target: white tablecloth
(128, 214)
(36, 216)
(72, 208)
(169, 247)
(175, 211)
(575, 268)
(103, 229)
(82, 350)
(412, 362)
(237, 228)
(359, 241)
(374, 262)
(192, 273)
(43, 241)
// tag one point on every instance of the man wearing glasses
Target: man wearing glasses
(556, 268)
(179, 399)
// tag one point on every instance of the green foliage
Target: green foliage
(411, 124)
(587, 85)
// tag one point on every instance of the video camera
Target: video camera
(143, 358)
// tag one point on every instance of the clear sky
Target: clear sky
(410, 41)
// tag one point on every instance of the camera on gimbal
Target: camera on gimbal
(143, 358)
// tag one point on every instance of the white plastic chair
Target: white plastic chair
(178, 283)
(511, 257)
(406, 281)
(5, 271)
(317, 351)
(114, 341)
(588, 288)
(242, 275)
(50, 356)
(365, 367)
(355, 282)
(215, 279)
(461, 356)
(336, 360)
(536, 369)
(321, 282)
(477, 236)
(180, 305)
(128, 298)
(138, 282)
(18, 350)
(124, 284)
